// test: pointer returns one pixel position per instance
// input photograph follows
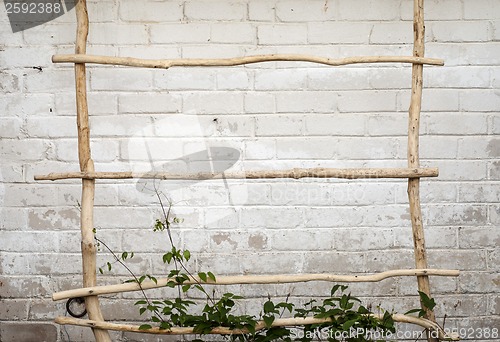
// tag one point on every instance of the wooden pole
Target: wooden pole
(413, 155)
(168, 63)
(280, 322)
(296, 173)
(86, 165)
(252, 279)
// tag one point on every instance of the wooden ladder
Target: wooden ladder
(88, 175)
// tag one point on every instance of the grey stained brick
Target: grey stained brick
(27, 332)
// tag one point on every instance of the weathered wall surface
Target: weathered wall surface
(274, 115)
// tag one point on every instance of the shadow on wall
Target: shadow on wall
(165, 154)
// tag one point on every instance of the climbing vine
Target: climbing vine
(339, 317)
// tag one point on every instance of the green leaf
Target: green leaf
(203, 276)
(354, 298)
(329, 313)
(177, 220)
(185, 288)
(101, 271)
(289, 306)
(334, 289)
(347, 325)
(165, 326)
(203, 328)
(423, 296)
(363, 310)
(187, 255)
(142, 310)
(167, 257)
(124, 255)
(268, 306)
(145, 327)
(141, 302)
(413, 311)
(211, 276)
(343, 302)
(173, 273)
(159, 226)
(109, 266)
(268, 320)
(429, 303)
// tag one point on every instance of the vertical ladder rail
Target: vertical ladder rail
(413, 154)
(86, 165)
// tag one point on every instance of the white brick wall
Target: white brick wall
(270, 115)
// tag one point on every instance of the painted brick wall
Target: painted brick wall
(273, 115)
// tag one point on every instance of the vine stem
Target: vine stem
(166, 217)
(158, 315)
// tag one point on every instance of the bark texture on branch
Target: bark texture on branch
(168, 63)
(296, 173)
(86, 165)
(253, 279)
(413, 155)
(280, 322)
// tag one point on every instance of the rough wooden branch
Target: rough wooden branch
(86, 165)
(253, 279)
(413, 154)
(280, 322)
(291, 173)
(168, 63)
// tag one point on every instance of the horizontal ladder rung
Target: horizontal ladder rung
(291, 173)
(279, 322)
(253, 279)
(168, 63)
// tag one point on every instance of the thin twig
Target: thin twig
(166, 217)
(131, 273)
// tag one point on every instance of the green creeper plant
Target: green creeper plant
(341, 312)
